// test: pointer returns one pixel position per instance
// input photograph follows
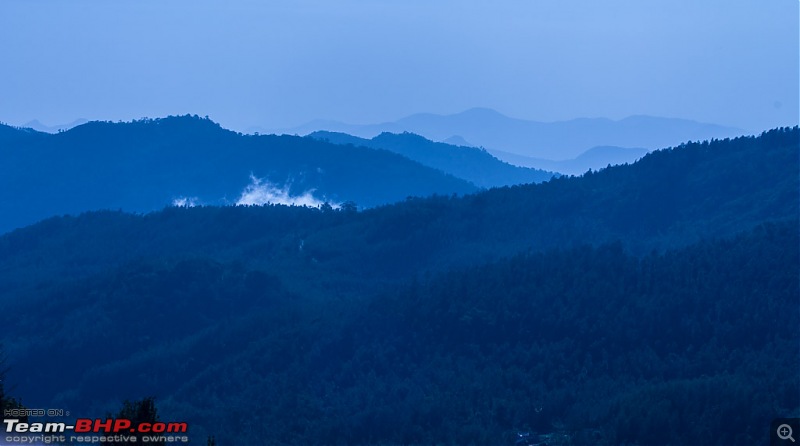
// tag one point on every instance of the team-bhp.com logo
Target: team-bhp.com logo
(98, 430)
(96, 426)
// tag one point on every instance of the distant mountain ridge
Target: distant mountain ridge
(145, 165)
(595, 158)
(561, 140)
(39, 127)
(469, 163)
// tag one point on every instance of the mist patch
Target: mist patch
(260, 192)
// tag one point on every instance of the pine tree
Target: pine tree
(139, 412)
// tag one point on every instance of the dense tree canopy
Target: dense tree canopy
(643, 304)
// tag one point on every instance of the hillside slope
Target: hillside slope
(146, 165)
(472, 164)
(568, 307)
(670, 198)
(574, 342)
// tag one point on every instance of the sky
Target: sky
(278, 64)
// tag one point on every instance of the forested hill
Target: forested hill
(668, 199)
(697, 347)
(475, 165)
(642, 304)
(145, 165)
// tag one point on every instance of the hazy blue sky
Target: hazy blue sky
(282, 63)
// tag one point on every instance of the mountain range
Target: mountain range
(595, 158)
(555, 141)
(39, 127)
(569, 308)
(146, 165)
(475, 165)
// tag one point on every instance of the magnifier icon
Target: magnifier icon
(785, 432)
